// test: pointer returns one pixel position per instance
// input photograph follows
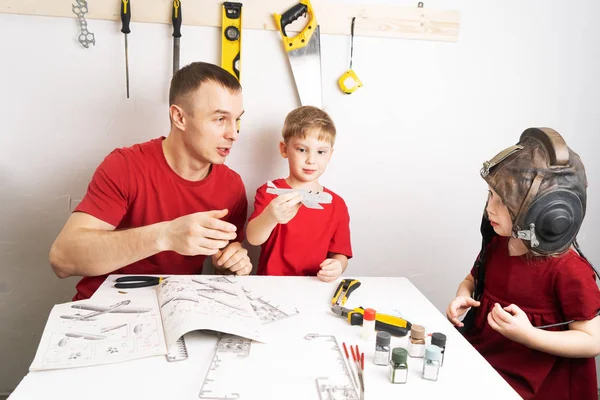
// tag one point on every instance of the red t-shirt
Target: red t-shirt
(549, 290)
(301, 245)
(135, 187)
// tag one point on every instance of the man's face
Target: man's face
(210, 122)
(498, 214)
(308, 158)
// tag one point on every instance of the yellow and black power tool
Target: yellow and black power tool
(396, 326)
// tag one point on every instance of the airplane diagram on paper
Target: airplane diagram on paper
(100, 331)
(268, 310)
(199, 304)
(106, 330)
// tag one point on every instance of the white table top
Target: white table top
(154, 378)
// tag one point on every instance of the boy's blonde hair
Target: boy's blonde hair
(307, 118)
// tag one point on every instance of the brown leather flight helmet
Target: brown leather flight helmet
(543, 184)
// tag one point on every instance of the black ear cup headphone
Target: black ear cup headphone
(553, 220)
(553, 207)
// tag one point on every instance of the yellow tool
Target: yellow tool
(343, 291)
(304, 52)
(349, 82)
(383, 322)
(231, 38)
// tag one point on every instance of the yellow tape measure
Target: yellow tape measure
(349, 81)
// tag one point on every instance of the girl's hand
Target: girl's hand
(458, 307)
(511, 322)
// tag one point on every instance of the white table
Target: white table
(464, 369)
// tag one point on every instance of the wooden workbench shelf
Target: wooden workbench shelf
(334, 18)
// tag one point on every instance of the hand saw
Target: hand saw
(231, 38)
(304, 52)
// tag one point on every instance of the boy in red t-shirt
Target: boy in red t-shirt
(295, 239)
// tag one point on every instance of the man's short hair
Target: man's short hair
(308, 118)
(192, 76)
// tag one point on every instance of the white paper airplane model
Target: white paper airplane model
(309, 199)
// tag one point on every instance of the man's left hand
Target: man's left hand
(232, 259)
(511, 322)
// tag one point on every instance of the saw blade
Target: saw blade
(306, 67)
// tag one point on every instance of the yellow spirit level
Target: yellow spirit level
(231, 38)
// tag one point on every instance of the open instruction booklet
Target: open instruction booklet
(113, 329)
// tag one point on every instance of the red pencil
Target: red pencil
(345, 350)
(352, 372)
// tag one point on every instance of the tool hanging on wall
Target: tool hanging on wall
(304, 52)
(125, 19)
(176, 18)
(85, 37)
(349, 82)
(231, 38)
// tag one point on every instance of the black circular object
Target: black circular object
(557, 216)
(232, 33)
(438, 339)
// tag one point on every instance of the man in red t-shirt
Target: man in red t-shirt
(162, 206)
(298, 240)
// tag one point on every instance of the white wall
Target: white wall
(411, 141)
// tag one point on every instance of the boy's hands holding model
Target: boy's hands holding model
(284, 207)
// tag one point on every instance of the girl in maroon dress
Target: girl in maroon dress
(534, 299)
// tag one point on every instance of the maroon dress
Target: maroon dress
(549, 290)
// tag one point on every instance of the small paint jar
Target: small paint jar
(431, 363)
(382, 348)
(398, 370)
(368, 326)
(439, 339)
(416, 341)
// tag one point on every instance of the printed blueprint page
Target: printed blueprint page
(189, 304)
(100, 331)
(268, 310)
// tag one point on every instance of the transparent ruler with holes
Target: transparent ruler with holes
(309, 367)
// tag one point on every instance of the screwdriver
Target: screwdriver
(176, 17)
(125, 19)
